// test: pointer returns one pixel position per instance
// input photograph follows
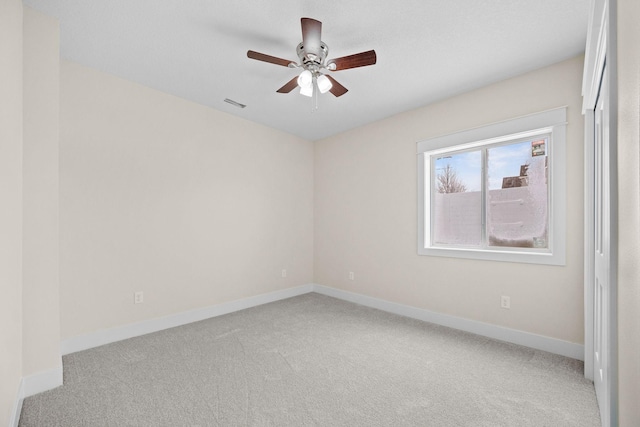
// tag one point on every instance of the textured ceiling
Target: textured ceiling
(427, 50)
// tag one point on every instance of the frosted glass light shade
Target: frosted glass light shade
(305, 79)
(324, 84)
(306, 90)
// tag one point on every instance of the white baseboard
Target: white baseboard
(34, 384)
(42, 381)
(17, 406)
(106, 336)
(539, 342)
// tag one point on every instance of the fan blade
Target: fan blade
(268, 58)
(311, 33)
(337, 89)
(292, 84)
(353, 61)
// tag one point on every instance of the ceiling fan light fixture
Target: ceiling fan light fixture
(312, 53)
(324, 84)
(305, 80)
(307, 91)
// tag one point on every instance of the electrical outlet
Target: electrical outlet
(505, 302)
(284, 272)
(138, 297)
(352, 276)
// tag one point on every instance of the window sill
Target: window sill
(495, 255)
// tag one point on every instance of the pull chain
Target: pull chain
(314, 101)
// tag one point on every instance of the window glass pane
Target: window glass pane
(457, 210)
(517, 202)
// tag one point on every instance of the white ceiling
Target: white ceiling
(427, 50)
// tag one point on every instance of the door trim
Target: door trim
(595, 54)
(601, 48)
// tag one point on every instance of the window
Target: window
(495, 192)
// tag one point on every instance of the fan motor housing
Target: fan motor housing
(311, 60)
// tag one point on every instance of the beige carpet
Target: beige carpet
(315, 361)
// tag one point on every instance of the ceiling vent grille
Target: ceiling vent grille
(234, 103)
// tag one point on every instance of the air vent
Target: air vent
(234, 103)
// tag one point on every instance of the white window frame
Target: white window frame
(547, 122)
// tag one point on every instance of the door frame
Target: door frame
(601, 49)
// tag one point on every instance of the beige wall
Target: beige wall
(629, 211)
(29, 309)
(41, 300)
(191, 205)
(11, 202)
(365, 213)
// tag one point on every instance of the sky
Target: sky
(502, 161)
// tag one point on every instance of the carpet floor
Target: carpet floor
(313, 360)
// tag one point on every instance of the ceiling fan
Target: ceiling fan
(312, 53)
